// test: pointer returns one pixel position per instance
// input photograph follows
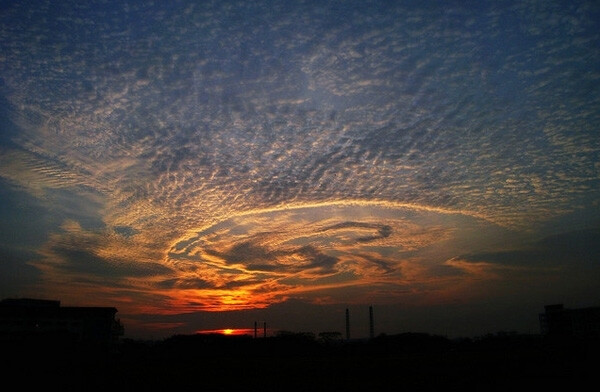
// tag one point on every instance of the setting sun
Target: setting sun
(227, 331)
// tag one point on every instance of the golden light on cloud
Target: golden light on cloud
(257, 258)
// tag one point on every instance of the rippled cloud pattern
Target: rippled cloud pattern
(229, 156)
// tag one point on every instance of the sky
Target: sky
(205, 165)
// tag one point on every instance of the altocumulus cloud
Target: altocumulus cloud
(319, 150)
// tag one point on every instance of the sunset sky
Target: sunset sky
(202, 165)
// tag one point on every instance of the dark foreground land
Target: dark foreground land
(406, 362)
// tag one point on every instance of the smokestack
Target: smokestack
(265, 329)
(255, 330)
(347, 324)
(371, 324)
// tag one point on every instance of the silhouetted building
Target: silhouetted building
(558, 321)
(27, 319)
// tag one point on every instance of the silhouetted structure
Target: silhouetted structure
(255, 330)
(330, 337)
(26, 320)
(347, 324)
(265, 329)
(371, 323)
(295, 361)
(581, 323)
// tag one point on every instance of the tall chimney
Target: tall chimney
(265, 329)
(347, 324)
(371, 323)
(255, 330)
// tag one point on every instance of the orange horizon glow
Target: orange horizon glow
(227, 331)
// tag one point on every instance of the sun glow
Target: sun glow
(227, 331)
